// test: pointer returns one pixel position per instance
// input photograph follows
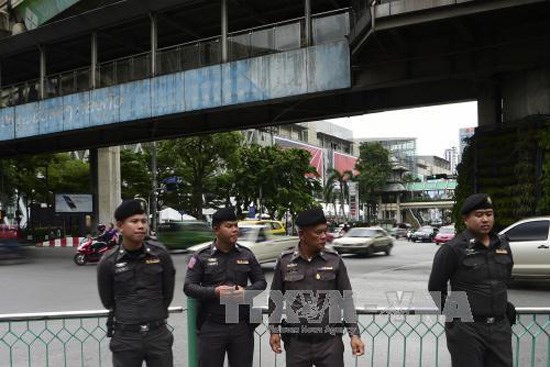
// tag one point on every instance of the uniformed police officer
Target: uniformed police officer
(217, 273)
(136, 281)
(479, 263)
(312, 274)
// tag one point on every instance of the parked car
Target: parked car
(530, 244)
(180, 235)
(260, 240)
(424, 234)
(364, 241)
(444, 235)
(275, 227)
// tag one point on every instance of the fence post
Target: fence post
(192, 359)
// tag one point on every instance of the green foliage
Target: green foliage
(281, 179)
(135, 174)
(199, 160)
(374, 169)
(510, 165)
(338, 181)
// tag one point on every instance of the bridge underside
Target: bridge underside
(407, 61)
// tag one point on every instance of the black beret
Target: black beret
(223, 215)
(475, 202)
(128, 208)
(311, 217)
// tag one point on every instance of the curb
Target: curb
(61, 242)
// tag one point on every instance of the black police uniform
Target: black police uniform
(206, 270)
(483, 273)
(138, 286)
(313, 340)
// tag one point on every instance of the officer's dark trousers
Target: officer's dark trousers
(215, 339)
(131, 348)
(475, 344)
(326, 353)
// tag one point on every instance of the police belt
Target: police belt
(142, 328)
(488, 319)
(313, 337)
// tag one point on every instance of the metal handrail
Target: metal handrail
(38, 316)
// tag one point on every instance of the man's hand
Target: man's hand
(357, 346)
(275, 342)
(230, 294)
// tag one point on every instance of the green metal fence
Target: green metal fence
(412, 337)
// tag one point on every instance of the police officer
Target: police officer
(312, 274)
(219, 273)
(136, 281)
(478, 263)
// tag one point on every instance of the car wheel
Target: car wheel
(387, 251)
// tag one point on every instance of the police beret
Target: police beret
(223, 215)
(311, 217)
(475, 202)
(128, 208)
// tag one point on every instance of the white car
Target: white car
(530, 243)
(259, 239)
(364, 240)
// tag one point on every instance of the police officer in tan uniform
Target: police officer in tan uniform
(478, 263)
(307, 277)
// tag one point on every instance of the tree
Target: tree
(374, 169)
(135, 174)
(339, 179)
(280, 180)
(198, 160)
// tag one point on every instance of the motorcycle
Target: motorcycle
(90, 250)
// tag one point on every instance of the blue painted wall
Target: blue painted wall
(293, 73)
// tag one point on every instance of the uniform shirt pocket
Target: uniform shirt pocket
(293, 276)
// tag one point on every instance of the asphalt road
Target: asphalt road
(50, 281)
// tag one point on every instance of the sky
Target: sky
(436, 127)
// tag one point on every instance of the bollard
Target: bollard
(192, 351)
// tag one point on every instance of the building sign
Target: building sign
(74, 203)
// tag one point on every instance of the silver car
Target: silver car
(530, 244)
(364, 240)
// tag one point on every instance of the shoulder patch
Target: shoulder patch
(192, 262)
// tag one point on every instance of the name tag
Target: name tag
(242, 262)
(326, 268)
(152, 261)
(501, 251)
(291, 265)
(212, 262)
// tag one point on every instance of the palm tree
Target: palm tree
(335, 178)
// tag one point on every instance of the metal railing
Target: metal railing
(393, 337)
(262, 40)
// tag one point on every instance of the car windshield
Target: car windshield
(426, 229)
(447, 230)
(361, 232)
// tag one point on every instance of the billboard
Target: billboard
(74, 203)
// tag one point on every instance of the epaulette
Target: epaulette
(155, 243)
(287, 252)
(331, 251)
(111, 252)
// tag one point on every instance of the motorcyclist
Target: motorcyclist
(102, 238)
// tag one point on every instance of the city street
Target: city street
(50, 281)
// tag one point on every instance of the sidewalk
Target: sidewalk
(61, 242)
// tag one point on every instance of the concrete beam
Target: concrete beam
(108, 183)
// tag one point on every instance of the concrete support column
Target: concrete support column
(105, 167)
(489, 103)
(225, 26)
(398, 211)
(526, 93)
